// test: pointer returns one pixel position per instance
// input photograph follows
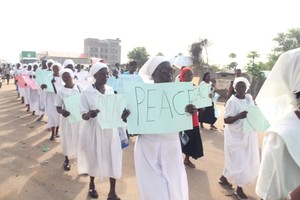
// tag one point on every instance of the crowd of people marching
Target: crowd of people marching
(159, 166)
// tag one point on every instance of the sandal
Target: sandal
(226, 185)
(93, 193)
(213, 128)
(67, 166)
(190, 164)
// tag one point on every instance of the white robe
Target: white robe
(100, 152)
(280, 167)
(159, 167)
(68, 132)
(241, 149)
(50, 108)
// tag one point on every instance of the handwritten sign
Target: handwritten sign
(21, 82)
(45, 77)
(30, 82)
(111, 108)
(201, 97)
(255, 120)
(118, 83)
(158, 108)
(72, 104)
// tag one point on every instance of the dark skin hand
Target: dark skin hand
(90, 114)
(43, 86)
(63, 112)
(241, 115)
(125, 114)
(190, 108)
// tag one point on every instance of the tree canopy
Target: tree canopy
(139, 54)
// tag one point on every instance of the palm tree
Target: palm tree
(252, 55)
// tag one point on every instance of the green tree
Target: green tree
(285, 41)
(255, 70)
(139, 54)
(160, 54)
(196, 54)
(233, 64)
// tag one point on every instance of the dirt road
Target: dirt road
(28, 173)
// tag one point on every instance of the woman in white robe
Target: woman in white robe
(99, 152)
(160, 171)
(50, 108)
(240, 148)
(69, 132)
(279, 100)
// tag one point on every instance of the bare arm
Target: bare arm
(230, 120)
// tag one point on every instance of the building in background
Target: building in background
(61, 57)
(109, 50)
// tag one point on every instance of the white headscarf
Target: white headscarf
(56, 64)
(241, 79)
(49, 61)
(277, 95)
(149, 67)
(95, 68)
(68, 62)
(61, 72)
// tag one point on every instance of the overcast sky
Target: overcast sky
(167, 26)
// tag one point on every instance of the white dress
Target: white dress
(280, 167)
(100, 152)
(50, 108)
(69, 133)
(159, 167)
(34, 97)
(241, 149)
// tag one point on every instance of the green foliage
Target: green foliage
(196, 51)
(139, 54)
(159, 54)
(285, 41)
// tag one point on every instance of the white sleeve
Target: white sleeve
(230, 110)
(58, 100)
(84, 106)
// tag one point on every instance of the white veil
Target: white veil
(277, 95)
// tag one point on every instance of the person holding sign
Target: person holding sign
(51, 112)
(194, 146)
(68, 132)
(279, 100)
(158, 159)
(208, 115)
(100, 152)
(241, 149)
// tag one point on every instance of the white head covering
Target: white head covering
(95, 60)
(61, 72)
(95, 68)
(49, 61)
(56, 64)
(277, 95)
(149, 67)
(68, 62)
(241, 79)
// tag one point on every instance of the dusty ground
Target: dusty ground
(28, 173)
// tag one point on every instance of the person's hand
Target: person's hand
(190, 108)
(86, 116)
(125, 114)
(53, 81)
(243, 115)
(210, 95)
(30, 76)
(93, 113)
(65, 113)
(43, 86)
(34, 76)
(25, 84)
